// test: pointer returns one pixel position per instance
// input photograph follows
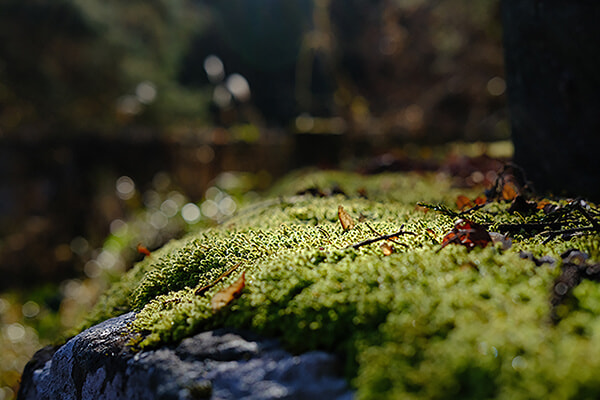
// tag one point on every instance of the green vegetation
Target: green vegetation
(419, 323)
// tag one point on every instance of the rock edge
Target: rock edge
(219, 364)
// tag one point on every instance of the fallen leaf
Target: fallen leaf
(463, 202)
(227, 295)
(509, 191)
(543, 203)
(468, 234)
(547, 206)
(142, 250)
(345, 219)
(386, 248)
(480, 200)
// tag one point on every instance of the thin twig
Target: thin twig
(203, 289)
(383, 237)
(391, 240)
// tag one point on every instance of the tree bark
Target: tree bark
(552, 58)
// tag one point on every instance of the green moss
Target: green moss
(420, 323)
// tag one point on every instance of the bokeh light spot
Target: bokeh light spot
(238, 86)
(304, 122)
(118, 227)
(496, 86)
(15, 332)
(30, 309)
(158, 220)
(221, 96)
(125, 188)
(169, 208)
(213, 193)
(215, 70)
(145, 92)
(129, 105)
(92, 269)
(227, 206)
(210, 209)
(190, 213)
(79, 245)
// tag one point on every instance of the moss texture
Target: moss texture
(420, 323)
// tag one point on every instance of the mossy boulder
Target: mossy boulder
(422, 322)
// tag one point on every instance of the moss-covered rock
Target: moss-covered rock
(419, 323)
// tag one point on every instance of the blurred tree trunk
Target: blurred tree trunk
(552, 59)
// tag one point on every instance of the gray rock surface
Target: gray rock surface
(219, 364)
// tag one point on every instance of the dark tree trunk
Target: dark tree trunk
(552, 52)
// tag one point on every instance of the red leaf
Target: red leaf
(227, 295)
(143, 250)
(468, 234)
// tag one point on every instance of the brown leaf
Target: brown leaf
(480, 200)
(463, 202)
(386, 248)
(468, 234)
(227, 295)
(345, 219)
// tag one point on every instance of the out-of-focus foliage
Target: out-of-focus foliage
(420, 70)
(408, 69)
(94, 66)
(42, 315)
(55, 70)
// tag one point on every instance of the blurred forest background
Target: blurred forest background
(129, 122)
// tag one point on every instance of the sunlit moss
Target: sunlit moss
(420, 323)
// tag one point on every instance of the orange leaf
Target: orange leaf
(480, 200)
(142, 250)
(463, 202)
(509, 191)
(345, 219)
(227, 295)
(543, 203)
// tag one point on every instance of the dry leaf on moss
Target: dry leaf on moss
(463, 202)
(227, 295)
(386, 248)
(468, 234)
(345, 219)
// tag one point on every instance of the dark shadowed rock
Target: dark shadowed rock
(220, 364)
